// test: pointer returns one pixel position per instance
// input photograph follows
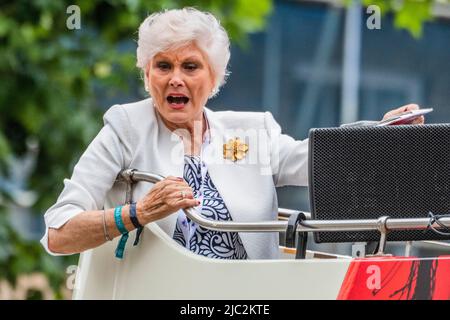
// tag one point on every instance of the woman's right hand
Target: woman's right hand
(165, 198)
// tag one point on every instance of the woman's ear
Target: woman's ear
(213, 90)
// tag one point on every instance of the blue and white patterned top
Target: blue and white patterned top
(208, 243)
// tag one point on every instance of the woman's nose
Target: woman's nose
(176, 80)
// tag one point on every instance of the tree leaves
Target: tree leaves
(410, 15)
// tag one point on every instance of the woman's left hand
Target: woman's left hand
(408, 107)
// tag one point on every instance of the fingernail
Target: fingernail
(179, 178)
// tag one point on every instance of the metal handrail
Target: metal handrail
(382, 224)
(285, 214)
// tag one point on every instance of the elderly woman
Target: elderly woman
(225, 164)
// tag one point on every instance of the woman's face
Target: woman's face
(180, 82)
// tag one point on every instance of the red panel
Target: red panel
(397, 278)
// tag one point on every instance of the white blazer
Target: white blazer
(133, 136)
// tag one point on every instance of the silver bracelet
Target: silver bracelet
(105, 231)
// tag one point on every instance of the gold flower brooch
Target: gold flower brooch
(235, 149)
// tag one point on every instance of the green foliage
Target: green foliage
(19, 256)
(54, 81)
(412, 16)
(408, 14)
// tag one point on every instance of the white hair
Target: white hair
(175, 28)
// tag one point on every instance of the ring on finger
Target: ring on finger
(183, 194)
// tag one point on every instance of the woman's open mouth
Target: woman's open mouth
(177, 101)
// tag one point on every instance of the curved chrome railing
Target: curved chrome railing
(382, 224)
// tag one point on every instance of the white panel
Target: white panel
(159, 268)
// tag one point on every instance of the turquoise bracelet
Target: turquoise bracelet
(118, 220)
(120, 225)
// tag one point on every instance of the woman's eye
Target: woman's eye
(163, 66)
(190, 66)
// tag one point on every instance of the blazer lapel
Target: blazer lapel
(216, 164)
(239, 181)
(249, 195)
